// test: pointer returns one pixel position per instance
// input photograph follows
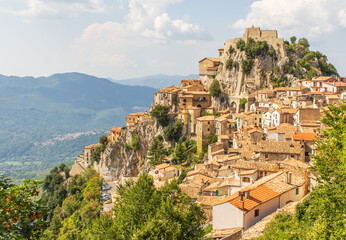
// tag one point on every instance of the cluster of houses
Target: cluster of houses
(260, 161)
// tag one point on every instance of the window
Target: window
(297, 191)
(256, 212)
(246, 179)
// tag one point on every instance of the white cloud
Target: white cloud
(307, 18)
(140, 43)
(57, 7)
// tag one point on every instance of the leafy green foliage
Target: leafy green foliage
(179, 153)
(103, 140)
(231, 50)
(134, 141)
(241, 44)
(242, 101)
(156, 151)
(78, 210)
(173, 132)
(304, 42)
(246, 66)
(229, 64)
(212, 139)
(37, 110)
(293, 39)
(21, 211)
(255, 48)
(54, 189)
(214, 88)
(160, 112)
(322, 214)
(143, 212)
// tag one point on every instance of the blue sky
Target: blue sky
(132, 38)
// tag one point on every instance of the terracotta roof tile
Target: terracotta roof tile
(303, 136)
(256, 197)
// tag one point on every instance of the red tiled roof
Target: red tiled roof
(256, 197)
(300, 136)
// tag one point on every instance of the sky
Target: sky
(122, 39)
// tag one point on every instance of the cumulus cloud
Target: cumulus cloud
(309, 17)
(146, 36)
(57, 7)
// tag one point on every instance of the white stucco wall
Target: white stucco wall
(227, 216)
(264, 210)
(291, 196)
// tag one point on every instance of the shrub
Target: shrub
(293, 39)
(229, 64)
(241, 44)
(304, 42)
(246, 66)
(214, 88)
(242, 101)
(231, 50)
(134, 141)
(173, 132)
(160, 112)
(271, 52)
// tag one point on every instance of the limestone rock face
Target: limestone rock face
(129, 162)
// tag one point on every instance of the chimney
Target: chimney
(247, 194)
(289, 178)
(241, 201)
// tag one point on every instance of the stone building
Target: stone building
(204, 129)
(167, 96)
(207, 70)
(133, 118)
(114, 134)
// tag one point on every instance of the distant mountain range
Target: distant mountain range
(156, 81)
(34, 110)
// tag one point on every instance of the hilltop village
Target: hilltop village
(238, 139)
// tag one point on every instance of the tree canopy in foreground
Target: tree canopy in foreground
(143, 212)
(322, 214)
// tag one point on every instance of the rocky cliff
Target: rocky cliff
(125, 161)
(260, 59)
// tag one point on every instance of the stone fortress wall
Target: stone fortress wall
(271, 36)
(239, 81)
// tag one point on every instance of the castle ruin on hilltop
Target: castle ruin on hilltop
(235, 83)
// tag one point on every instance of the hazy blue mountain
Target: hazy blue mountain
(156, 81)
(35, 110)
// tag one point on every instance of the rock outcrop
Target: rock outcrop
(124, 161)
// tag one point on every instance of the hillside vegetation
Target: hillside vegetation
(322, 214)
(35, 110)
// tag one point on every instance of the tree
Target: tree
(143, 212)
(214, 88)
(21, 211)
(179, 153)
(304, 42)
(54, 189)
(160, 112)
(293, 39)
(103, 140)
(241, 44)
(134, 141)
(322, 214)
(173, 132)
(156, 151)
(231, 50)
(246, 66)
(242, 102)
